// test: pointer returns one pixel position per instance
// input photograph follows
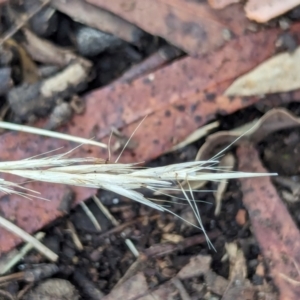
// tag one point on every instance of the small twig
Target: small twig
(41, 271)
(74, 236)
(150, 64)
(48, 133)
(131, 246)
(127, 224)
(105, 211)
(14, 277)
(39, 236)
(32, 275)
(90, 216)
(6, 295)
(28, 238)
(158, 250)
(180, 287)
(22, 292)
(17, 27)
(87, 286)
(115, 222)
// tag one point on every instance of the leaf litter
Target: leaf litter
(180, 287)
(120, 95)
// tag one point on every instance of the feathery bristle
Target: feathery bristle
(123, 179)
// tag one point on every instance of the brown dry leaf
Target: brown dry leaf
(166, 291)
(273, 226)
(280, 73)
(219, 4)
(198, 265)
(239, 287)
(191, 26)
(172, 238)
(175, 95)
(238, 268)
(263, 11)
(215, 283)
(179, 98)
(133, 288)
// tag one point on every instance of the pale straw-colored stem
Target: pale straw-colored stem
(29, 239)
(48, 133)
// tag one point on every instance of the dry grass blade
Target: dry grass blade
(23, 251)
(114, 221)
(196, 135)
(57, 135)
(28, 238)
(90, 216)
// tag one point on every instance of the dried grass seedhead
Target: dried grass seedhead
(123, 179)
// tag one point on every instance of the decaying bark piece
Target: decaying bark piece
(275, 231)
(191, 26)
